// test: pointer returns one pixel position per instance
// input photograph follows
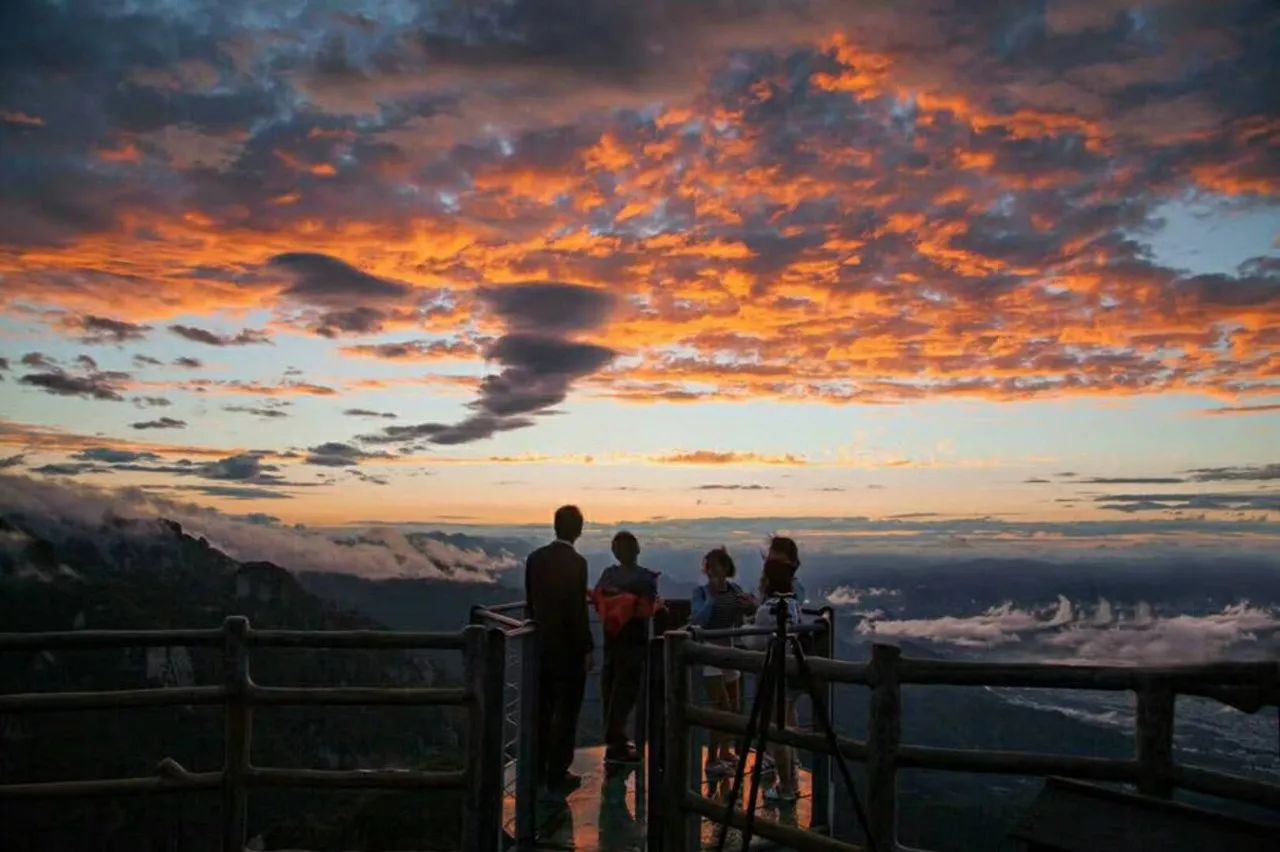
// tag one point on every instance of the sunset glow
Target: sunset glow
(415, 262)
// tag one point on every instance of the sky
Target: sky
(447, 262)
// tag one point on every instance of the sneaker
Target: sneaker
(565, 784)
(623, 754)
(719, 768)
(776, 794)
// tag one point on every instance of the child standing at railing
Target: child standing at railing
(777, 587)
(721, 604)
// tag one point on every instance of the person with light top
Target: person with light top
(777, 586)
(718, 605)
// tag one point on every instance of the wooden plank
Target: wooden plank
(788, 835)
(1016, 763)
(736, 723)
(109, 787)
(365, 639)
(677, 833)
(482, 804)
(884, 732)
(355, 779)
(722, 656)
(1154, 739)
(348, 695)
(1056, 676)
(36, 702)
(527, 761)
(1227, 786)
(97, 639)
(237, 735)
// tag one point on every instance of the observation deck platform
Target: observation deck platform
(607, 812)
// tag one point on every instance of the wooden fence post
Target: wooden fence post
(237, 734)
(680, 827)
(655, 755)
(527, 761)
(884, 731)
(822, 817)
(1154, 737)
(482, 803)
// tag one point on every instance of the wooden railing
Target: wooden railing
(1248, 686)
(481, 781)
(518, 707)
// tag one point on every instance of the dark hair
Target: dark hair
(785, 546)
(777, 578)
(625, 546)
(720, 556)
(568, 523)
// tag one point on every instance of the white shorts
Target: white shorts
(729, 675)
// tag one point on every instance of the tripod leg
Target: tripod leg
(824, 720)
(759, 704)
(766, 691)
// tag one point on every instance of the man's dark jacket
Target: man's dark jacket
(555, 584)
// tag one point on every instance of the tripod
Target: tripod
(771, 700)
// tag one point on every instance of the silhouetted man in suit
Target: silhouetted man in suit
(555, 583)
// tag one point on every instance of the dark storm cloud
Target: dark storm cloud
(473, 428)
(321, 279)
(108, 455)
(12, 461)
(336, 454)
(246, 337)
(364, 412)
(722, 487)
(414, 350)
(4, 365)
(245, 467)
(150, 402)
(95, 329)
(539, 361)
(256, 411)
(236, 492)
(1248, 473)
(549, 308)
(161, 423)
(1221, 501)
(96, 385)
(350, 301)
(1131, 480)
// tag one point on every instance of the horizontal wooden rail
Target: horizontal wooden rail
(725, 657)
(35, 702)
(170, 777)
(1016, 763)
(1227, 786)
(788, 835)
(1188, 679)
(735, 723)
(700, 633)
(348, 695)
(498, 619)
(99, 639)
(349, 779)
(1062, 676)
(365, 640)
